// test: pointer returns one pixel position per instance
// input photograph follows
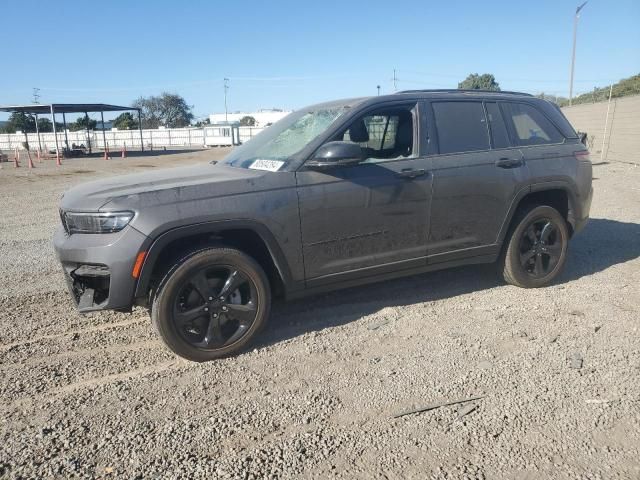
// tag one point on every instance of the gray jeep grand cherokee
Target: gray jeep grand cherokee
(333, 195)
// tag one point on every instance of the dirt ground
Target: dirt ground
(558, 369)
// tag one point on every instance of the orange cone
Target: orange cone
(16, 158)
(58, 161)
(124, 151)
(31, 165)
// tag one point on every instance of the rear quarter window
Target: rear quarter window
(529, 125)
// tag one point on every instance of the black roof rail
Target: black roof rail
(459, 90)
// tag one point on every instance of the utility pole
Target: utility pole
(36, 95)
(226, 88)
(395, 81)
(573, 52)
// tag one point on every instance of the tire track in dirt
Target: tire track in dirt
(97, 328)
(27, 378)
(51, 394)
(107, 379)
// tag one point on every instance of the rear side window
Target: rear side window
(497, 126)
(530, 127)
(461, 126)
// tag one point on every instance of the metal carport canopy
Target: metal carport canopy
(63, 108)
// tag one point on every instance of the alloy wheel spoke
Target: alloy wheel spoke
(238, 333)
(188, 316)
(244, 314)
(232, 282)
(531, 234)
(538, 268)
(546, 231)
(526, 256)
(554, 250)
(201, 284)
(213, 337)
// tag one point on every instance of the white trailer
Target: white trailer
(221, 135)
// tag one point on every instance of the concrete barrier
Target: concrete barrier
(621, 140)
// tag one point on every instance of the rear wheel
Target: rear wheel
(537, 247)
(212, 304)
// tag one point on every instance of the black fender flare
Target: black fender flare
(539, 187)
(157, 245)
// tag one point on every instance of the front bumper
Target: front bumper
(97, 267)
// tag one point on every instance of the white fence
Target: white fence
(116, 139)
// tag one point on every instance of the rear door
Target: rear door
(539, 139)
(477, 172)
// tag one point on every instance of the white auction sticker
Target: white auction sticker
(268, 165)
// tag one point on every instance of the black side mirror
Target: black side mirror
(334, 154)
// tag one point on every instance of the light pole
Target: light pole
(378, 87)
(226, 87)
(573, 52)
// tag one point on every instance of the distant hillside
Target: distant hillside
(626, 86)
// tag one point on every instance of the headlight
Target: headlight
(102, 222)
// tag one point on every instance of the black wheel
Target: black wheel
(537, 247)
(211, 304)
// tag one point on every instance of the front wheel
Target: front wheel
(537, 248)
(211, 304)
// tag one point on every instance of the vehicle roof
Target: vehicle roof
(423, 94)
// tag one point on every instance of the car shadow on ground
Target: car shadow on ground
(602, 244)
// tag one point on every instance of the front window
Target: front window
(278, 143)
(383, 135)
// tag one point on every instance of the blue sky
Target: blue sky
(288, 54)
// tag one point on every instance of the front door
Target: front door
(371, 217)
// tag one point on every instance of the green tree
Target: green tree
(203, 123)
(20, 121)
(27, 123)
(82, 123)
(558, 100)
(44, 125)
(486, 81)
(169, 109)
(125, 121)
(248, 121)
(626, 86)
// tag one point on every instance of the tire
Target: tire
(202, 310)
(531, 261)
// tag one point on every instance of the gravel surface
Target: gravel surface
(98, 396)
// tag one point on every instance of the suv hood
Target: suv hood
(172, 185)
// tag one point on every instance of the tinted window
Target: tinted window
(497, 126)
(461, 126)
(529, 125)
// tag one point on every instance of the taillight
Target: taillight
(582, 156)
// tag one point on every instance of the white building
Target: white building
(263, 117)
